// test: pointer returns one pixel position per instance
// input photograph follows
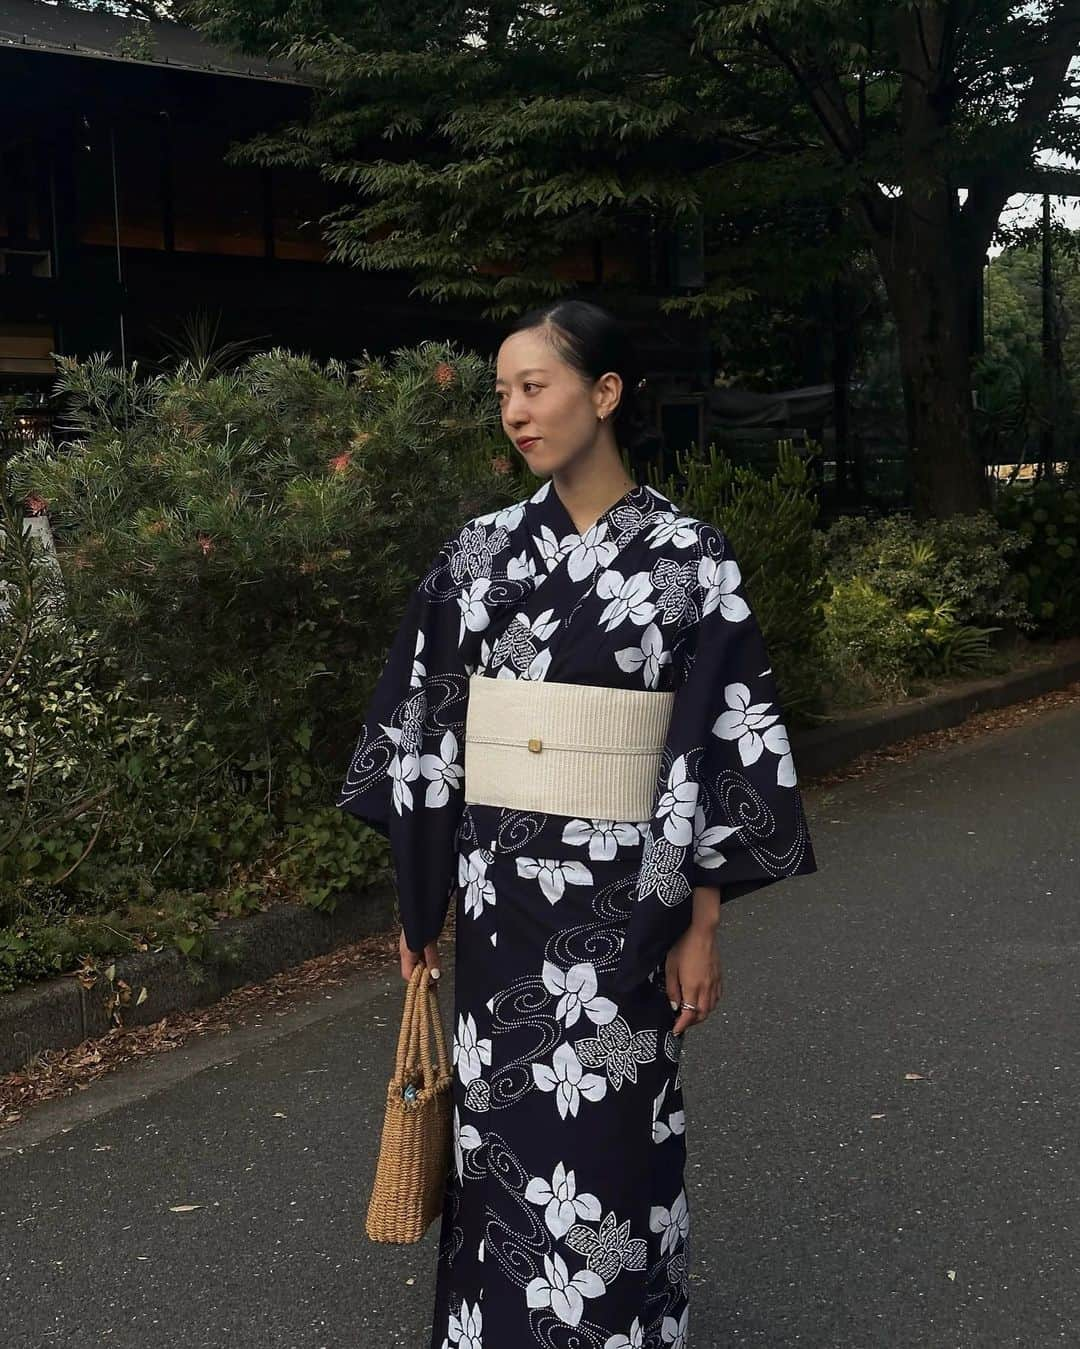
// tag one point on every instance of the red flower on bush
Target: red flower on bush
(36, 505)
(206, 544)
(444, 373)
(340, 462)
(500, 464)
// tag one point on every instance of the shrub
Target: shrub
(963, 561)
(1047, 516)
(245, 542)
(905, 595)
(103, 798)
(867, 647)
(769, 521)
(236, 548)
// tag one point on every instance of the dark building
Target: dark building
(120, 219)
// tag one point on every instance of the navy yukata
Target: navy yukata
(566, 1222)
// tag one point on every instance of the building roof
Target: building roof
(31, 26)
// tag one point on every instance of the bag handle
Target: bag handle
(420, 1017)
(440, 1036)
(407, 1034)
(428, 1011)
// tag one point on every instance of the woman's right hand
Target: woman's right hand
(410, 959)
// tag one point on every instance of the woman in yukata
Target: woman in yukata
(628, 769)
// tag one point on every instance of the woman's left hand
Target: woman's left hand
(692, 968)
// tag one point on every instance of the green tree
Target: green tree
(912, 103)
(479, 144)
(1013, 304)
(1017, 399)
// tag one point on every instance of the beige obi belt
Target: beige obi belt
(565, 749)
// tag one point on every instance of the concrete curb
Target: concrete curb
(60, 1013)
(826, 748)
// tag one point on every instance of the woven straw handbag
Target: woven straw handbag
(414, 1152)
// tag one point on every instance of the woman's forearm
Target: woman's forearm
(706, 907)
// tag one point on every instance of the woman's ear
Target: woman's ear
(608, 394)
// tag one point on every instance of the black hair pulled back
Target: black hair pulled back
(592, 341)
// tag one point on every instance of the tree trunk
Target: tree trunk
(930, 257)
(931, 291)
(843, 351)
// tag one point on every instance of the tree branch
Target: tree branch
(920, 29)
(779, 146)
(834, 118)
(878, 210)
(989, 192)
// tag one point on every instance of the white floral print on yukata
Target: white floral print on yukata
(566, 1089)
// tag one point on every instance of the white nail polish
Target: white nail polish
(434, 974)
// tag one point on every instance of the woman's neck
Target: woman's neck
(588, 490)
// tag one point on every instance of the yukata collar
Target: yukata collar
(629, 512)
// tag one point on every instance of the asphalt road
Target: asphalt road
(837, 1199)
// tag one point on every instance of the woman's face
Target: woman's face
(547, 401)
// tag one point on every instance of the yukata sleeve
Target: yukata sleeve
(727, 810)
(406, 775)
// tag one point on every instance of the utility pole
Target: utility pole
(1049, 347)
